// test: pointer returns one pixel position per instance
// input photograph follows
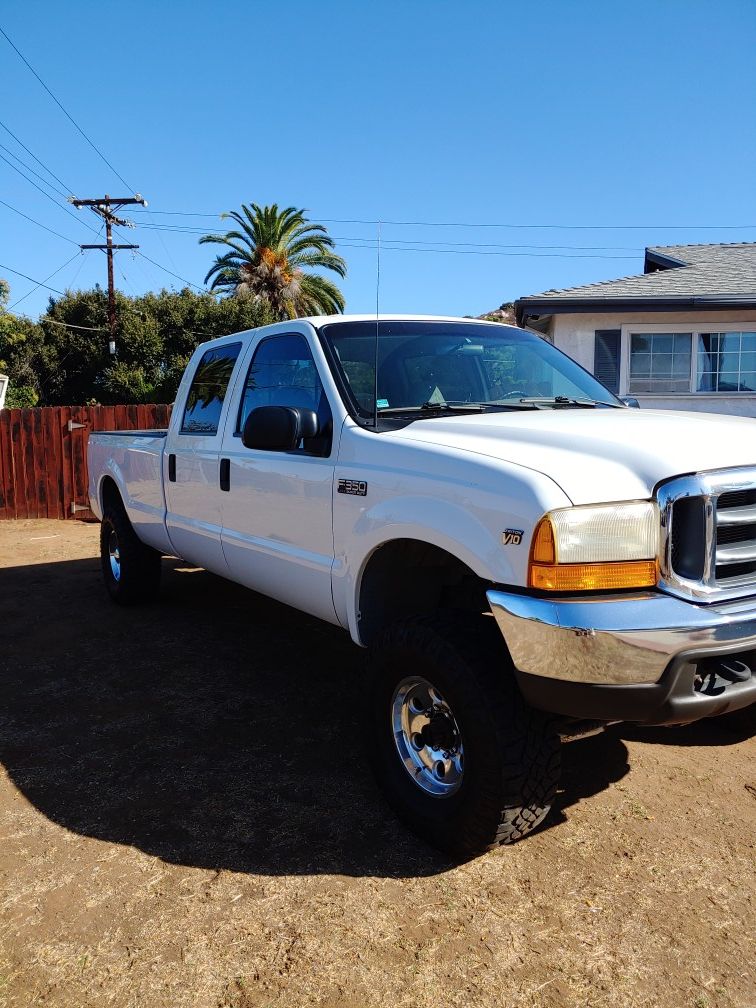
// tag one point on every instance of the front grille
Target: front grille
(709, 530)
(735, 520)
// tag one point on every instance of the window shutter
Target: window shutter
(606, 361)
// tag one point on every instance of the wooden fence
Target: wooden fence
(43, 455)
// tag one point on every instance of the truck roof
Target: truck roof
(320, 320)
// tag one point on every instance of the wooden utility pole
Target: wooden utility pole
(104, 208)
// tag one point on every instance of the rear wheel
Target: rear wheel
(463, 760)
(131, 570)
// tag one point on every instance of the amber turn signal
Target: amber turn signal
(543, 549)
(591, 576)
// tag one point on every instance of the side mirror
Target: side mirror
(279, 428)
(629, 400)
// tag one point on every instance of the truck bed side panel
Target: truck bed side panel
(134, 461)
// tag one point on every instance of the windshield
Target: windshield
(427, 365)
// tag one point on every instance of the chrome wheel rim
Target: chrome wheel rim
(427, 737)
(115, 556)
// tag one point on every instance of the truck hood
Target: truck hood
(598, 454)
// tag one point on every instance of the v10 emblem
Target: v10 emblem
(511, 537)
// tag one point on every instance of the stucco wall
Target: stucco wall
(574, 334)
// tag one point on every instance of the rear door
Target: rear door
(192, 459)
(277, 511)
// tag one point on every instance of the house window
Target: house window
(726, 362)
(660, 362)
(707, 362)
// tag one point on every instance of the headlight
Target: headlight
(601, 546)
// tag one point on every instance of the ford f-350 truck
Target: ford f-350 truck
(515, 545)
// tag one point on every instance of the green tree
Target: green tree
(64, 359)
(21, 343)
(269, 259)
(157, 335)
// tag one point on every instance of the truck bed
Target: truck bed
(134, 460)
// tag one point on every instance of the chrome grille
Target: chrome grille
(709, 535)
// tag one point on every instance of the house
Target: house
(681, 335)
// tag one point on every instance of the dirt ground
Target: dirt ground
(187, 821)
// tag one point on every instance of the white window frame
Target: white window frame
(695, 329)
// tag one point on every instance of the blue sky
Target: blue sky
(592, 115)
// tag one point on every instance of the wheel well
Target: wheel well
(110, 495)
(407, 577)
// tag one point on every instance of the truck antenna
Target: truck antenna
(377, 304)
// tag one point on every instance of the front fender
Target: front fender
(470, 530)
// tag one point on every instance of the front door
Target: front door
(277, 512)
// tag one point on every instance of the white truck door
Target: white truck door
(192, 460)
(277, 511)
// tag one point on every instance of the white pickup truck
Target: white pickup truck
(514, 545)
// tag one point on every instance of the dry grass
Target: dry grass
(187, 822)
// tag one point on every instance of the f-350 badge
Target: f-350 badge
(349, 486)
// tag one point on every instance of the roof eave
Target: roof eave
(526, 308)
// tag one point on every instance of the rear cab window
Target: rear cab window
(207, 393)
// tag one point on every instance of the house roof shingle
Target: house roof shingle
(691, 275)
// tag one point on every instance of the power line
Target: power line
(409, 241)
(67, 325)
(462, 224)
(496, 245)
(160, 265)
(64, 111)
(44, 192)
(165, 268)
(78, 270)
(58, 270)
(31, 154)
(39, 283)
(181, 229)
(44, 226)
(554, 227)
(449, 251)
(36, 174)
(127, 281)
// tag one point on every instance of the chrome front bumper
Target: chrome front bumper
(626, 657)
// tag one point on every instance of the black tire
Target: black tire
(135, 576)
(511, 752)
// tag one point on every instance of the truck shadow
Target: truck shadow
(215, 729)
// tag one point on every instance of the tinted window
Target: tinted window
(452, 362)
(282, 373)
(726, 362)
(208, 390)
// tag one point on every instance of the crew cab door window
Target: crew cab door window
(204, 400)
(283, 373)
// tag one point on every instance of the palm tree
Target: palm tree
(268, 257)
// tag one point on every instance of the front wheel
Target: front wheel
(463, 760)
(131, 570)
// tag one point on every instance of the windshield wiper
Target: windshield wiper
(455, 407)
(430, 407)
(567, 402)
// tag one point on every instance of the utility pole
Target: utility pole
(104, 208)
